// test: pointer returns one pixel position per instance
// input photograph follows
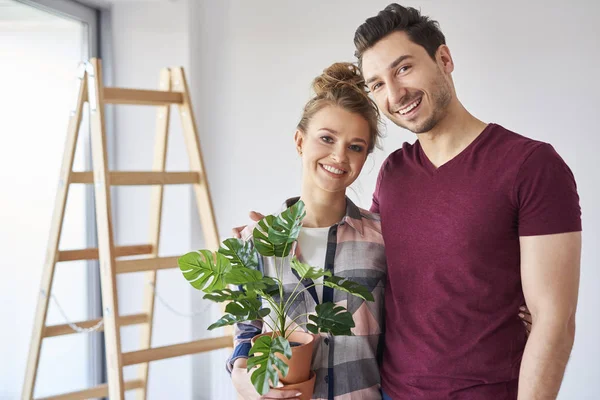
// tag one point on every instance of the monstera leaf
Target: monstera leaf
(220, 296)
(306, 271)
(251, 279)
(249, 308)
(263, 355)
(202, 272)
(331, 319)
(286, 226)
(262, 243)
(227, 319)
(245, 309)
(239, 253)
(348, 286)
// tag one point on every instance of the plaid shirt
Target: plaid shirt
(347, 367)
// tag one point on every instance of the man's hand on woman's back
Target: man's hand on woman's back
(254, 216)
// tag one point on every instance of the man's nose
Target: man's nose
(396, 93)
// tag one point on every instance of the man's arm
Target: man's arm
(550, 278)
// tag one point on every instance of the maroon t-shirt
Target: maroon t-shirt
(452, 245)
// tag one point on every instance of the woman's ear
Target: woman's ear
(299, 139)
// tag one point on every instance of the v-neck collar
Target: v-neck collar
(433, 170)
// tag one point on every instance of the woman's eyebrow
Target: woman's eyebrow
(329, 130)
(333, 131)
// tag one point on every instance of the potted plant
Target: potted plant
(253, 295)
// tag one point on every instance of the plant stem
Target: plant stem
(291, 294)
(269, 325)
(281, 299)
(303, 290)
(294, 320)
(294, 330)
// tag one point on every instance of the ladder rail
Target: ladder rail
(108, 279)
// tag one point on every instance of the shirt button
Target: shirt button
(327, 379)
(326, 340)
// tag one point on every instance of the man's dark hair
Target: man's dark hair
(395, 18)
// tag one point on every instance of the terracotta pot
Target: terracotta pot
(301, 360)
(307, 388)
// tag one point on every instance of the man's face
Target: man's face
(410, 88)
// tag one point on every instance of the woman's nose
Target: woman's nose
(340, 155)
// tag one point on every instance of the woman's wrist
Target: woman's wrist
(240, 363)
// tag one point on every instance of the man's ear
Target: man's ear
(444, 59)
(299, 139)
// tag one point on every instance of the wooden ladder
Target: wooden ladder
(173, 90)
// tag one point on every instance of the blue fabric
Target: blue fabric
(241, 350)
(385, 396)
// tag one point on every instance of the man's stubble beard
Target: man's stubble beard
(441, 100)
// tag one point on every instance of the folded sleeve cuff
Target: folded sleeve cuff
(240, 351)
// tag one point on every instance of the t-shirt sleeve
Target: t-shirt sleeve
(375, 203)
(546, 195)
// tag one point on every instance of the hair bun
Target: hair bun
(337, 75)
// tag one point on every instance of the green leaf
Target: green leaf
(240, 276)
(306, 271)
(262, 243)
(227, 319)
(223, 295)
(331, 319)
(202, 272)
(239, 253)
(251, 279)
(263, 355)
(245, 307)
(230, 319)
(348, 286)
(270, 290)
(286, 226)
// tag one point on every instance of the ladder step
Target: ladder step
(176, 350)
(97, 391)
(141, 97)
(65, 329)
(140, 178)
(146, 264)
(92, 253)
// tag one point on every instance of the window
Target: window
(41, 44)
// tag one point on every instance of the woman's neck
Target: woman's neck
(323, 208)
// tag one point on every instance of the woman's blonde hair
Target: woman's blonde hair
(343, 85)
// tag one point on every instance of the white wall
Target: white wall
(530, 66)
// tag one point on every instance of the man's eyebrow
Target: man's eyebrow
(398, 60)
(393, 65)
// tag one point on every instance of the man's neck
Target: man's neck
(322, 208)
(451, 135)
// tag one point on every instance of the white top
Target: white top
(313, 245)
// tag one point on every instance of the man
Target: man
(476, 221)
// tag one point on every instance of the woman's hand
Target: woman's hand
(246, 391)
(525, 316)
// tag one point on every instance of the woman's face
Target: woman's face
(334, 149)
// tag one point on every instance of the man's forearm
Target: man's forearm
(546, 355)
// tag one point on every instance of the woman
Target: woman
(339, 128)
